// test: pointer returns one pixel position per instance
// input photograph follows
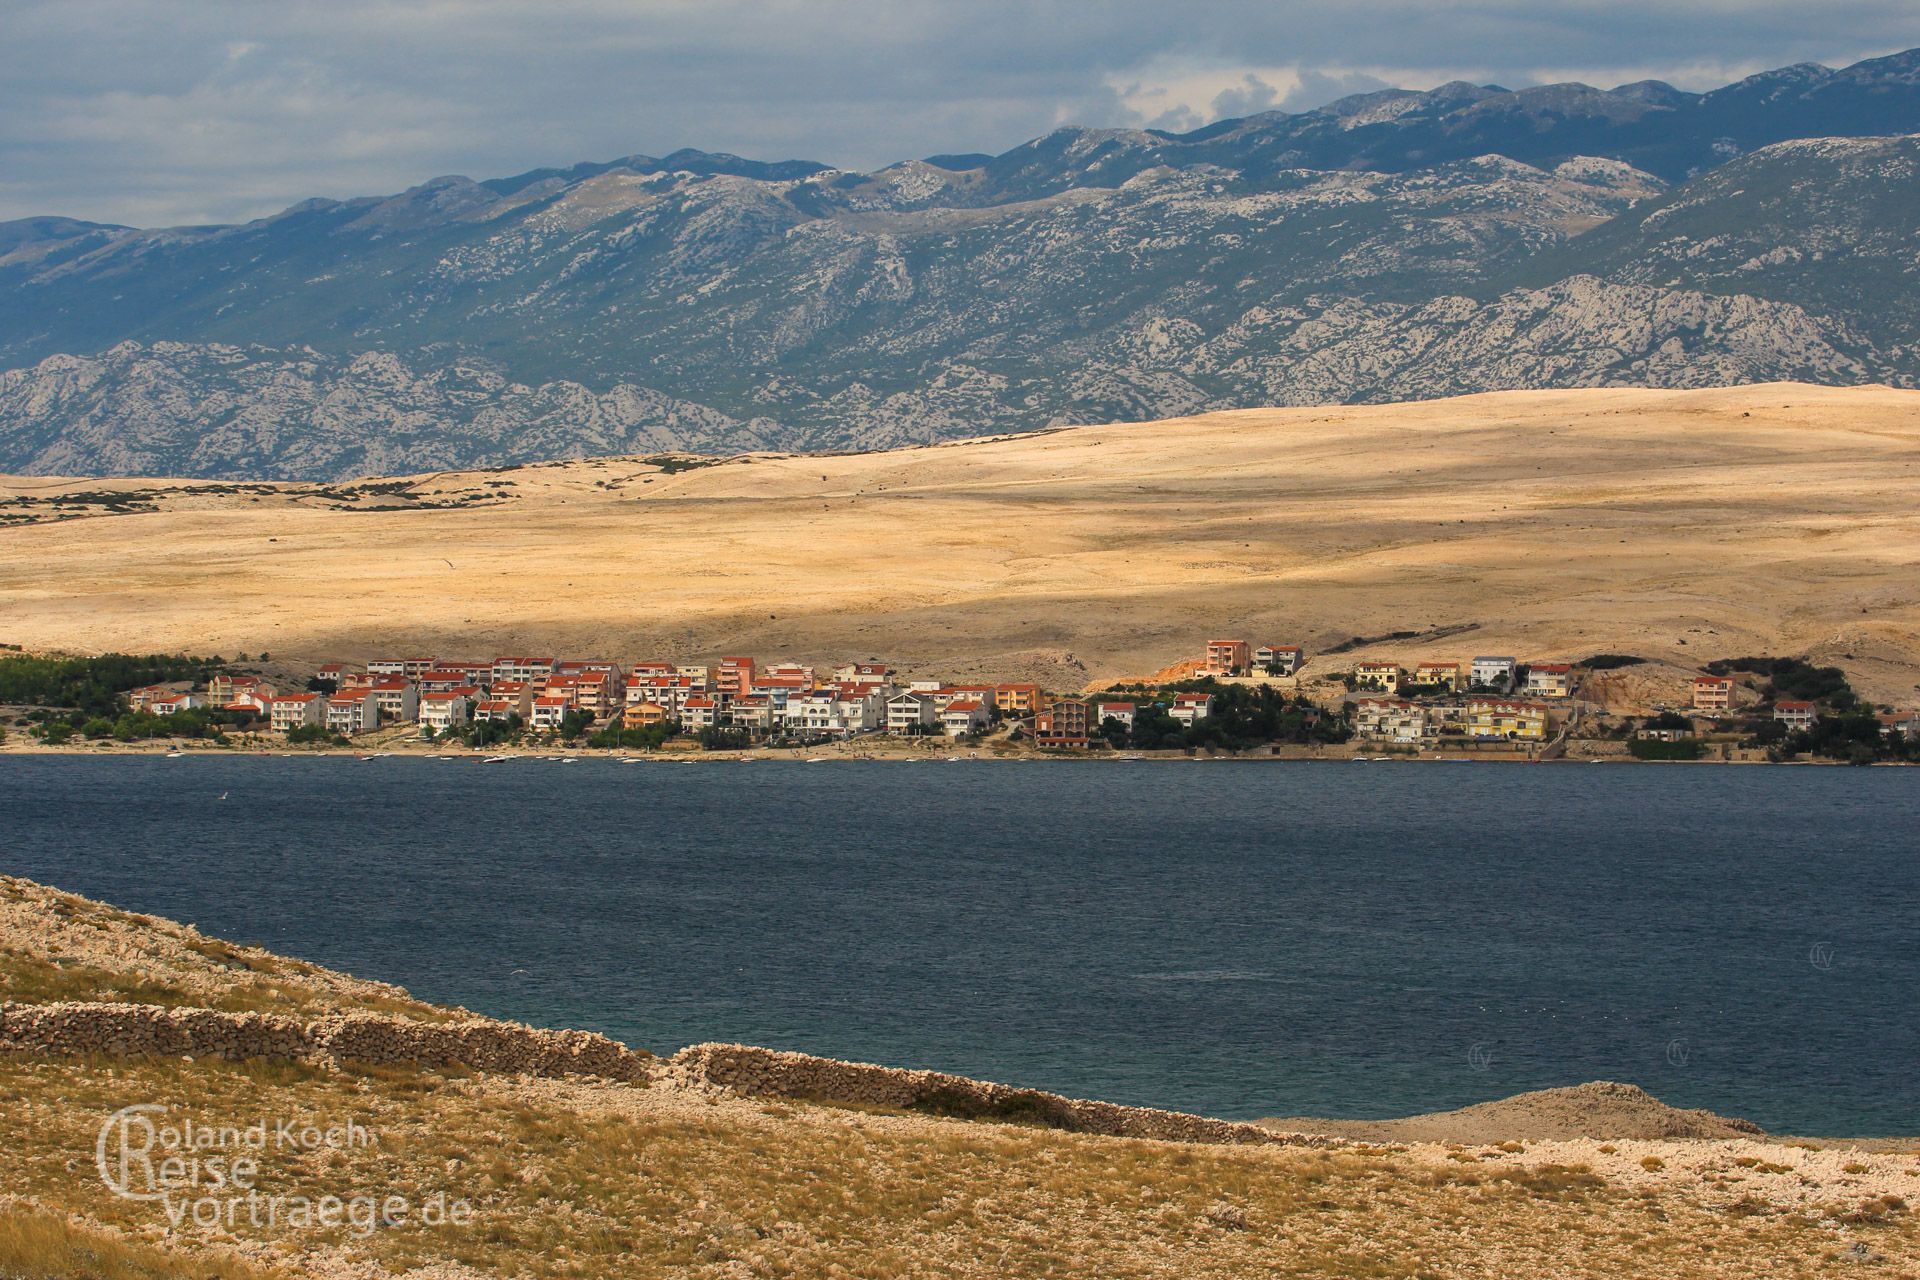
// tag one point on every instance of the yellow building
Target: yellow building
(1372, 674)
(1017, 699)
(1513, 721)
(639, 715)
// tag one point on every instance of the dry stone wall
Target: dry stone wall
(750, 1070)
(154, 1030)
(79, 1029)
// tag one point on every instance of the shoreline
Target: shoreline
(838, 753)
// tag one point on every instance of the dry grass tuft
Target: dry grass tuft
(39, 1245)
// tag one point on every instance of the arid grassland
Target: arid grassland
(1679, 526)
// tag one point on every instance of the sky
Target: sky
(153, 114)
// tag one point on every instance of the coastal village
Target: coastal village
(1234, 696)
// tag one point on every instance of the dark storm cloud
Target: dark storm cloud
(219, 109)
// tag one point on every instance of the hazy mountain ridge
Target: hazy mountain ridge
(704, 301)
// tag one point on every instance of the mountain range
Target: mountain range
(1394, 245)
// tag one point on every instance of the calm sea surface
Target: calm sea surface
(1238, 939)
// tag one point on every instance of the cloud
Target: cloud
(196, 110)
(1179, 94)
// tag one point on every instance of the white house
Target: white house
(352, 713)
(911, 712)
(964, 715)
(1796, 715)
(752, 714)
(166, 706)
(549, 710)
(812, 713)
(1121, 711)
(447, 710)
(1550, 680)
(1393, 718)
(1494, 673)
(860, 710)
(1189, 707)
(527, 669)
(296, 710)
(1283, 658)
(399, 699)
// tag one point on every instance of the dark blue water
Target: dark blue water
(1241, 940)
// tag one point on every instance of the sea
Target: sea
(1242, 939)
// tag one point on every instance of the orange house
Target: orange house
(1712, 693)
(1017, 699)
(1229, 657)
(639, 715)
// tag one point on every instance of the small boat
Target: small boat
(175, 755)
(497, 759)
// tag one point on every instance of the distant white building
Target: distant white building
(1796, 715)
(352, 713)
(296, 710)
(1189, 707)
(399, 699)
(1121, 711)
(964, 715)
(912, 712)
(550, 710)
(522, 668)
(1393, 718)
(1284, 659)
(449, 710)
(752, 714)
(1495, 674)
(1550, 680)
(166, 706)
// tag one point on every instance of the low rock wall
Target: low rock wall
(159, 1031)
(767, 1072)
(135, 1030)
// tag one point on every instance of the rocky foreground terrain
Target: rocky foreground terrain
(1388, 247)
(672, 1171)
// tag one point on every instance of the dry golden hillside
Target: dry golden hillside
(1676, 525)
